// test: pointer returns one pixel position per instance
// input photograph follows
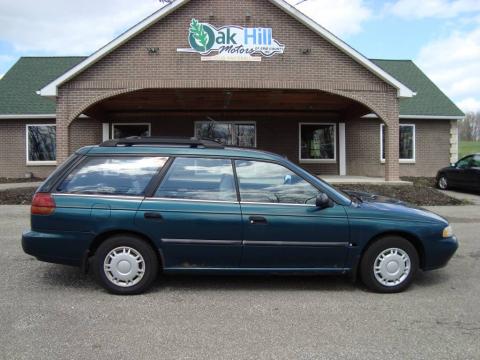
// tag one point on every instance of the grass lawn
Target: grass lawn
(468, 147)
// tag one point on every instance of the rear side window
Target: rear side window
(199, 179)
(112, 176)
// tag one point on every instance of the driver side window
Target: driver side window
(265, 182)
(464, 163)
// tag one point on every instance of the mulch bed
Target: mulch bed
(419, 194)
(17, 196)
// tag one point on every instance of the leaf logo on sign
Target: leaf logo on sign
(199, 34)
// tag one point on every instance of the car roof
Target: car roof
(230, 152)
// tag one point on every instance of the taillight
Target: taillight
(42, 204)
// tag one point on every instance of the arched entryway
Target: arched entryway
(309, 127)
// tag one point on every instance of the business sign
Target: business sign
(231, 43)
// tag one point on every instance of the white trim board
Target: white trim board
(50, 90)
(419, 117)
(28, 116)
(33, 116)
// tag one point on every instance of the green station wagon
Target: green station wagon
(132, 208)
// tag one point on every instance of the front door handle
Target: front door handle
(153, 216)
(257, 220)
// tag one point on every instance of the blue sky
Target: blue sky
(441, 36)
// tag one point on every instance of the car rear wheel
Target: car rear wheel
(125, 265)
(442, 182)
(389, 265)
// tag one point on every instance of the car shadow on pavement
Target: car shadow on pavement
(72, 278)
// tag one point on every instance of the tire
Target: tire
(125, 265)
(442, 182)
(392, 256)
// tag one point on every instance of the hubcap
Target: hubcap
(391, 267)
(442, 183)
(124, 266)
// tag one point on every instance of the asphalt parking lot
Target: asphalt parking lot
(54, 312)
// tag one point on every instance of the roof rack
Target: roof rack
(174, 141)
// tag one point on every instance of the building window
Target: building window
(41, 144)
(121, 131)
(407, 143)
(243, 134)
(318, 142)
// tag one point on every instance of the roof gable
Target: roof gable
(19, 85)
(429, 99)
(50, 90)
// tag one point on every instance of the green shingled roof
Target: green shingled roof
(19, 85)
(430, 100)
(29, 74)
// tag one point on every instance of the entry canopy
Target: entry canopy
(51, 90)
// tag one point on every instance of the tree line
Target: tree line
(469, 128)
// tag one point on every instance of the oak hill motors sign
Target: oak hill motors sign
(231, 43)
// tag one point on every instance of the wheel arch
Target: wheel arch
(100, 238)
(412, 238)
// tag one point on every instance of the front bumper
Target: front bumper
(66, 248)
(440, 254)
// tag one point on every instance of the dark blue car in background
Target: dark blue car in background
(132, 208)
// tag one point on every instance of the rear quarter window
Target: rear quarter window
(112, 176)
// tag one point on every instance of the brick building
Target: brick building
(254, 73)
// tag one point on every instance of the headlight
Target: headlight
(447, 232)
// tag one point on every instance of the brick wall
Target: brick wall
(363, 147)
(130, 67)
(13, 155)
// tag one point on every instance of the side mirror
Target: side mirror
(323, 201)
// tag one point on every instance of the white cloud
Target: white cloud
(469, 104)
(432, 8)
(453, 63)
(65, 27)
(342, 17)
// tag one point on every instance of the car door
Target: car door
(194, 215)
(457, 176)
(473, 174)
(282, 226)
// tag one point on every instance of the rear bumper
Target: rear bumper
(440, 254)
(66, 248)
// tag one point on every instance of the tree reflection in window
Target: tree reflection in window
(41, 143)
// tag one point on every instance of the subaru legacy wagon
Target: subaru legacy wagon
(129, 209)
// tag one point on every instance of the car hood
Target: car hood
(385, 207)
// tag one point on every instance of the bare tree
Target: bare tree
(469, 128)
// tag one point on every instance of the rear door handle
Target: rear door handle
(153, 216)
(257, 220)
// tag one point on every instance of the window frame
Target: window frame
(237, 182)
(27, 143)
(162, 176)
(254, 123)
(318, 161)
(112, 127)
(401, 161)
(150, 188)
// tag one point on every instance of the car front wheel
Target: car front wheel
(125, 265)
(442, 182)
(389, 265)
